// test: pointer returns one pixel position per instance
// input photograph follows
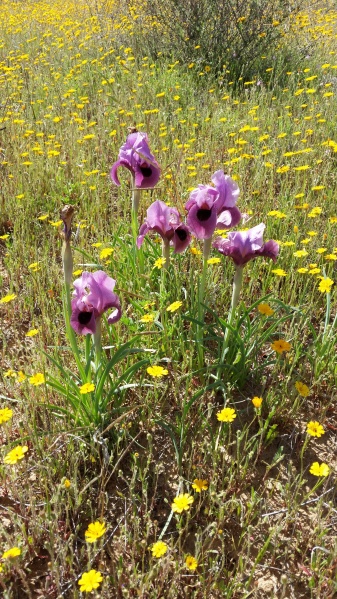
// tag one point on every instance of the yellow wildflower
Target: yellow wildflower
(182, 503)
(226, 415)
(191, 563)
(302, 389)
(157, 371)
(5, 415)
(281, 346)
(257, 401)
(159, 549)
(325, 285)
(32, 333)
(319, 469)
(265, 309)
(37, 379)
(90, 581)
(147, 318)
(87, 388)
(159, 263)
(8, 298)
(16, 454)
(94, 531)
(10, 553)
(174, 307)
(315, 429)
(199, 485)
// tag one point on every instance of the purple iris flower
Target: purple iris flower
(243, 246)
(166, 221)
(136, 156)
(93, 295)
(213, 207)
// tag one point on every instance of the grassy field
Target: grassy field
(194, 455)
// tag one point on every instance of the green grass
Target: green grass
(264, 519)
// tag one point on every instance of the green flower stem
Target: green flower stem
(225, 428)
(334, 324)
(237, 285)
(139, 256)
(318, 484)
(163, 281)
(97, 338)
(201, 297)
(179, 490)
(304, 446)
(135, 200)
(218, 438)
(67, 261)
(166, 253)
(70, 332)
(327, 313)
(206, 253)
(87, 350)
(134, 211)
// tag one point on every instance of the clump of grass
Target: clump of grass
(228, 41)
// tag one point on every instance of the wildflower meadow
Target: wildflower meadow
(167, 298)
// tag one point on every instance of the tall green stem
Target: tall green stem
(135, 199)
(166, 253)
(138, 254)
(304, 446)
(327, 313)
(70, 332)
(163, 279)
(237, 284)
(206, 252)
(179, 490)
(201, 297)
(97, 338)
(334, 324)
(134, 211)
(66, 215)
(67, 260)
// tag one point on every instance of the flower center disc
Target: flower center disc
(203, 214)
(146, 171)
(84, 317)
(181, 233)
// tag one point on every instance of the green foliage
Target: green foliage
(227, 38)
(241, 343)
(98, 408)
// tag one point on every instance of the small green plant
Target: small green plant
(94, 396)
(229, 39)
